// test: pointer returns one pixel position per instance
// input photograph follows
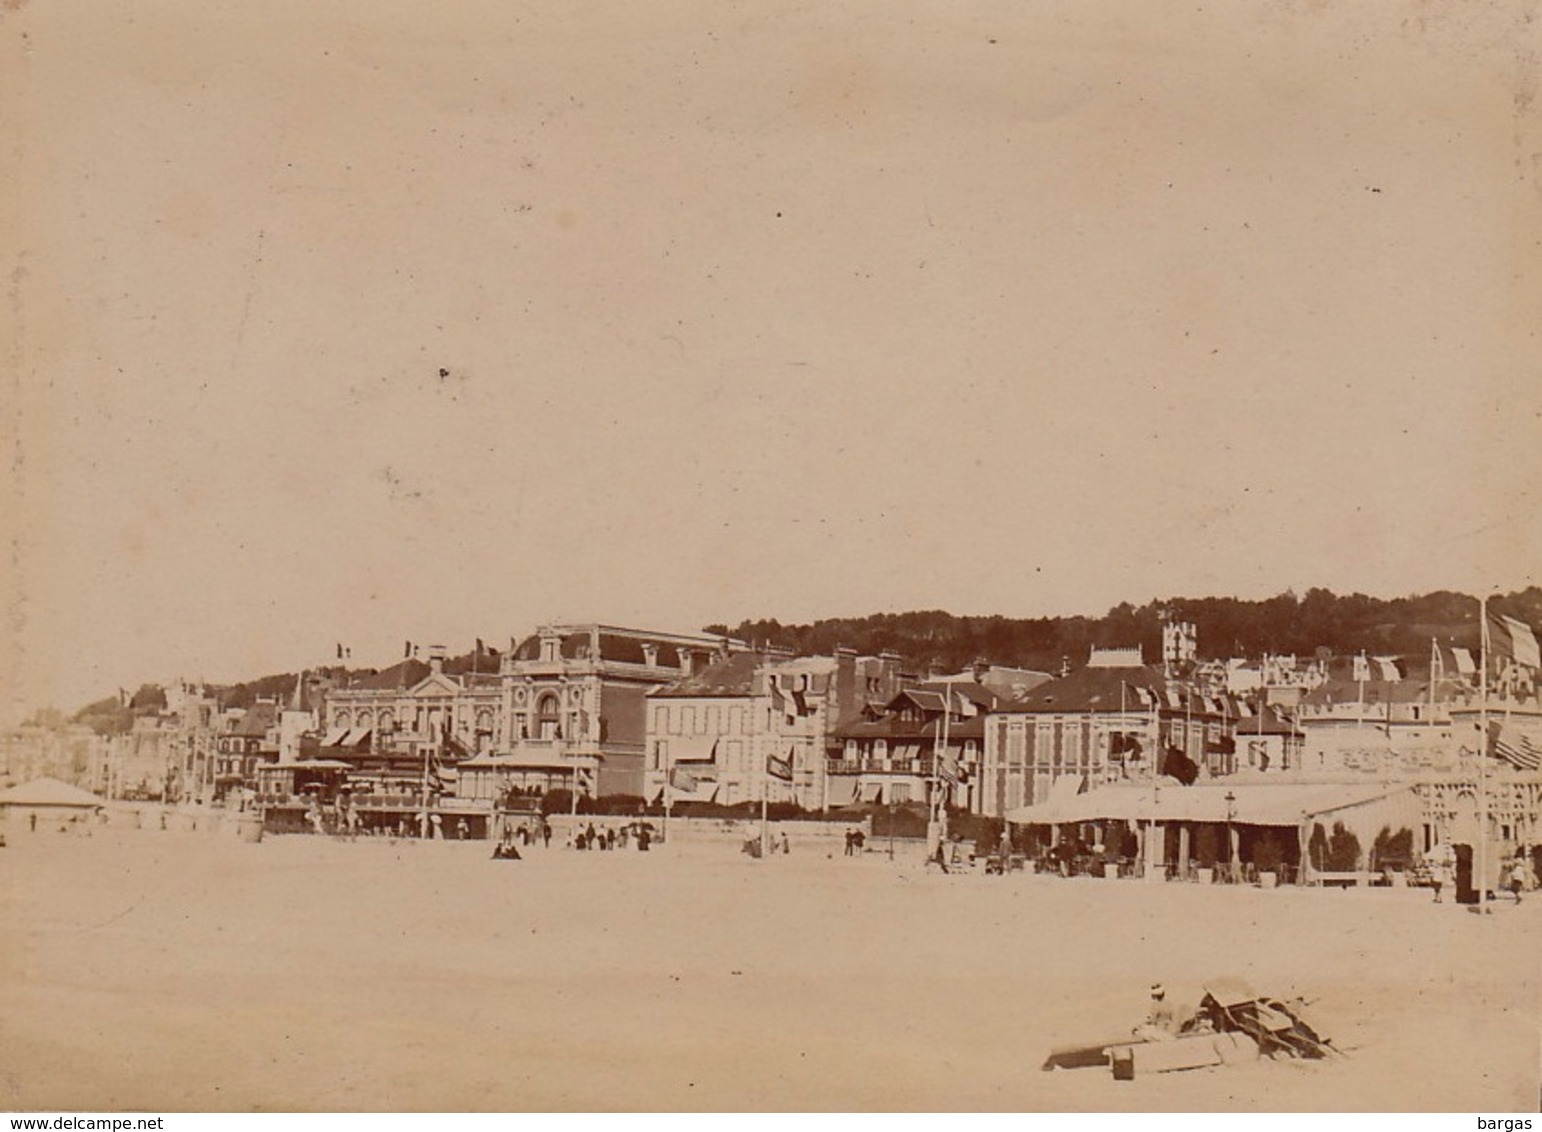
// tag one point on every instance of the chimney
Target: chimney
(650, 654)
(847, 694)
(436, 659)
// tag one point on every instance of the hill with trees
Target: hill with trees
(1317, 622)
(1287, 623)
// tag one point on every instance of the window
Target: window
(899, 793)
(851, 749)
(660, 754)
(548, 717)
(736, 720)
(881, 749)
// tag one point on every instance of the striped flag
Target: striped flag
(683, 780)
(779, 768)
(947, 767)
(1513, 639)
(1515, 748)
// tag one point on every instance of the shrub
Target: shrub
(1392, 850)
(1207, 846)
(1317, 847)
(987, 836)
(903, 821)
(1269, 853)
(1343, 850)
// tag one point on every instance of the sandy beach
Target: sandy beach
(187, 972)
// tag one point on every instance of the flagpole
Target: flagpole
(423, 816)
(669, 792)
(1483, 643)
(934, 833)
(765, 789)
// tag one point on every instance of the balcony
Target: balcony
(910, 768)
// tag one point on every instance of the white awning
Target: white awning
(334, 736)
(1287, 804)
(872, 791)
(704, 792)
(843, 789)
(691, 748)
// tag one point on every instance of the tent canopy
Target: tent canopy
(49, 792)
(1286, 804)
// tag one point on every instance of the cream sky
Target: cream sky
(794, 310)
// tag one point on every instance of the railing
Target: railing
(913, 768)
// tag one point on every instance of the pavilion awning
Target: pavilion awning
(1287, 804)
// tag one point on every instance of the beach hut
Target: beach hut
(47, 804)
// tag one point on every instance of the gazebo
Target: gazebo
(47, 800)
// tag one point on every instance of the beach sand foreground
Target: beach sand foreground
(179, 972)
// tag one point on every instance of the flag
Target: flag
(1465, 665)
(947, 767)
(1362, 668)
(1515, 748)
(682, 780)
(779, 768)
(339, 650)
(1513, 639)
(435, 779)
(967, 707)
(775, 692)
(1178, 765)
(407, 651)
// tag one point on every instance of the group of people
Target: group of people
(513, 837)
(1517, 876)
(612, 837)
(855, 839)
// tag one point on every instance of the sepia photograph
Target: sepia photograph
(963, 557)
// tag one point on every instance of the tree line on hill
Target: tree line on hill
(1318, 622)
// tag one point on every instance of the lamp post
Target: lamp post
(1231, 845)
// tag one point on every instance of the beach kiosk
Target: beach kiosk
(46, 804)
